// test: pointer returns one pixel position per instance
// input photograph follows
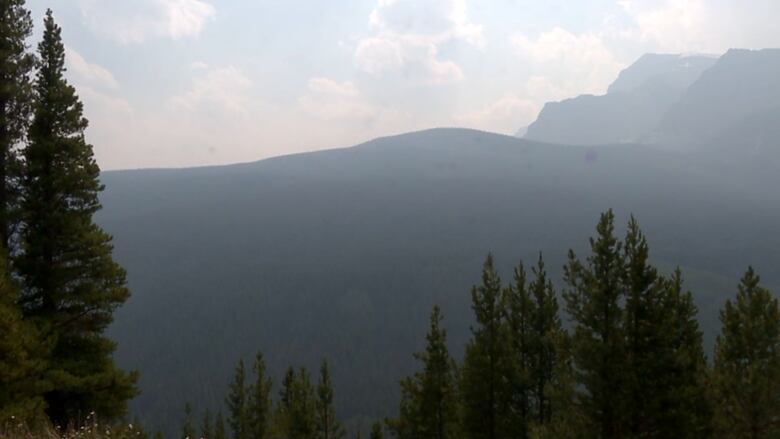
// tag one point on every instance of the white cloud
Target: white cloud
(222, 90)
(329, 99)
(574, 63)
(88, 73)
(710, 26)
(506, 115)
(141, 20)
(377, 55)
(330, 86)
(407, 37)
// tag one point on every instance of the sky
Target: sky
(177, 83)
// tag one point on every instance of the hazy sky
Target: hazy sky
(193, 82)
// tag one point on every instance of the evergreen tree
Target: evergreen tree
(219, 427)
(545, 344)
(259, 410)
(328, 427)
(237, 403)
(297, 406)
(206, 426)
(20, 358)
(593, 302)
(71, 283)
(684, 409)
(16, 96)
(484, 366)
(376, 431)
(429, 399)
(644, 328)
(187, 429)
(520, 315)
(747, 364)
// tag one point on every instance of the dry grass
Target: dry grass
(89, 429)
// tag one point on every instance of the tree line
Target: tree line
(59, 284)
(629, 364)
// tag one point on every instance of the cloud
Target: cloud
(328, 99)
(138, 21)
(711, 26)
(219, 90)
(87, 73)
(574, 63)
(330, 86)
(408, 35)
(506, 115)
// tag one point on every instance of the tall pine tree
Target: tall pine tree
(328, 427)
(519, 310)
(259, 404)
(238, 404)
(71, 283)
(545, 344)
(429, 399)
(485, 410)
(16, 98)
(593, 301)
(747, 364)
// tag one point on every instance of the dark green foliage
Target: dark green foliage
(747, 364)
(297, 412)
(187, 427)
(71, 283)
(545, 347)
(429, 399)
(637, 346)
(328, 427)
(207, 426)
(219, 427)
(376, 431)
(259, 404)
(20, 358)
(684, 408)
(485, 410)
(16, 99)
(593, 303)
(237, 402)
(518, 366)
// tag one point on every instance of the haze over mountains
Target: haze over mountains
(672, 100)
(343, 252)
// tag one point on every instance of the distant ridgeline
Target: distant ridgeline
(680, 102)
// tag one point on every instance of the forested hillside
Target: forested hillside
(341, 254)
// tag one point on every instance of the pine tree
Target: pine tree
(520, 315)
(429, 399)
(16, 96)
(206, 426)
(484, 366)
(237, 403)
(644, 329)
(219, 427)
(747, 364)
(376, 431)
(297, 406)
(328, 427)
(259, 404)
(593, 303)
(684, 409)
(187, 429)
(20, 358)
(545, 344)
(71, 283)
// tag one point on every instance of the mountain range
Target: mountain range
(341, 254)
